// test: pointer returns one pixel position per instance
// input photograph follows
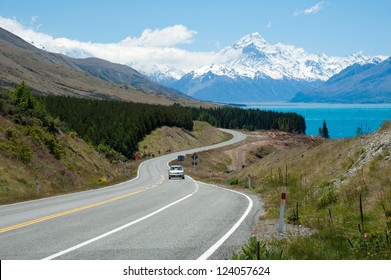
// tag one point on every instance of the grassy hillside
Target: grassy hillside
(53, 74)
(326, 179)
(171, 139)
(35, 151)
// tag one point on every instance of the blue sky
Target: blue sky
(333, 27)
(184, 35)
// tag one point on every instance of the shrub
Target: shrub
(102, 180)
(55, 148)
(327, 199)
(16, 147)
(234, 181)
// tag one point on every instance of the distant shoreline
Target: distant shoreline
(318, 105)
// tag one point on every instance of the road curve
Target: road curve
(149, 217)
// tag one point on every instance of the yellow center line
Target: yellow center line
(2, 230)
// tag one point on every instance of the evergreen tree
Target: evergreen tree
(324, 131)
(23, 98)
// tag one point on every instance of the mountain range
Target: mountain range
(253, 70)
(368, 83)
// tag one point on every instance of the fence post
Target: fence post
(258, 250)
(36, 186)
(297, 216)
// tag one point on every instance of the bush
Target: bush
(15, 146)
(327, 199)
(55, 148)
(234, 181)
(102, 180)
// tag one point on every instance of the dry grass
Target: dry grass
(171, 139)
(78, 169)
(322, 175)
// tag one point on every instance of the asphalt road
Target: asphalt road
(149, 217)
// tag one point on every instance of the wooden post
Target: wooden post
(362, 216)
(37, 186)
(297, 216)
(258, 250)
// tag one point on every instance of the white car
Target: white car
(176, 171)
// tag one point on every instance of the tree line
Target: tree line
(114, 124)
(250, 119)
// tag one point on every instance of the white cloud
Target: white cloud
(269, 25)
(166, 37)
(311, 10)
(151, 49)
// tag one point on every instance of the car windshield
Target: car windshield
(176, 168)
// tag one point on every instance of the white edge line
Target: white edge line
(220, 242)
(121, 227)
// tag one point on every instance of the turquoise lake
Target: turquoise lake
(342, 119)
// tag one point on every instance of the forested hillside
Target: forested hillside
(251, 119)
(113, 125)
(116, 126)
(119, 126)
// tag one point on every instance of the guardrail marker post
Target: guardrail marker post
(282, 210)
(37, 186)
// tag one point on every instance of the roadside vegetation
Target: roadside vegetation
(338, 192)
(38, 157)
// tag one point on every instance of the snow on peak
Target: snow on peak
(251, 39)
(252, 56)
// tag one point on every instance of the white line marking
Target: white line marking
(220, 242)
(121, 227)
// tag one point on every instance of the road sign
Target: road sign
(181, 158)
(194, 157)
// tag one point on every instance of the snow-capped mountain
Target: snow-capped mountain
(164, 74)
(369, 83)
(253, 56)
(253, 70)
